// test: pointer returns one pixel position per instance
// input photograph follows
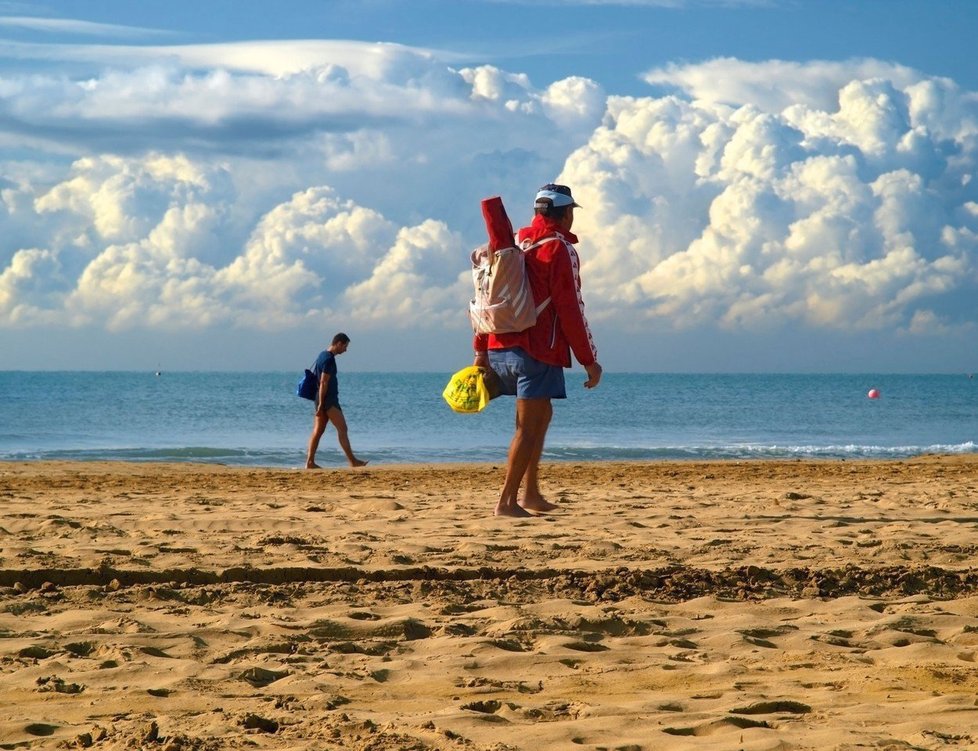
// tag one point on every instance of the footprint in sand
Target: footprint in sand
(727, 724)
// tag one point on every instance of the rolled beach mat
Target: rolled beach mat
(498, 226)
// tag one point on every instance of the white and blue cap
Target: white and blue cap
(552, 194)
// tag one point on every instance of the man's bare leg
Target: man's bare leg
(532, 420)
(533, 499)
(342, 435)
(318, 428)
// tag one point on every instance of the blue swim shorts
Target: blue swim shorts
(525, 377)
(329, 406)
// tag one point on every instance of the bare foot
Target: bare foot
(358, 463)
(510, 510)
(312, 465)
(540, 505)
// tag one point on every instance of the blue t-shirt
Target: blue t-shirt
(326, 363)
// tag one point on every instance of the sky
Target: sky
(766, 185)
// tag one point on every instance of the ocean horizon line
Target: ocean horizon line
(607, 372)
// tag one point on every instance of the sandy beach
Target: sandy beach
(667, 605)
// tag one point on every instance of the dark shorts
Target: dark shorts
(525, 377)
(329, 406)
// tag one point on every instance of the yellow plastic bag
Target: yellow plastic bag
(466, 390)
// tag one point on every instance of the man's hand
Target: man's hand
(593, 375)
(481, 360)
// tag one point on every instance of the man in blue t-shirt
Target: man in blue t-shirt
(328, 405)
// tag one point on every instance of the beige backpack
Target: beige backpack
(503, 299)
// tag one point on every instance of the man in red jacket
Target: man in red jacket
(531, 363)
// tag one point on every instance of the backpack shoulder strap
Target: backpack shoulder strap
(527, 246)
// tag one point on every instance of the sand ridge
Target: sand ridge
(753, 605)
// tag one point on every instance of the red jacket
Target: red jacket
(554, 271)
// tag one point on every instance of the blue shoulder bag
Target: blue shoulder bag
(308, 386)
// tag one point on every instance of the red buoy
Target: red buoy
(874, 394)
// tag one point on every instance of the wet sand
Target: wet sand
(667, 605)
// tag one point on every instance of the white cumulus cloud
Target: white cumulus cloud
(721, 204)
(243, 187)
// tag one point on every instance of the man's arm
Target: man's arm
(323, 386)
(565, 294)
(593, 375)
(480, 343)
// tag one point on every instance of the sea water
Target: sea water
(255, 419)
